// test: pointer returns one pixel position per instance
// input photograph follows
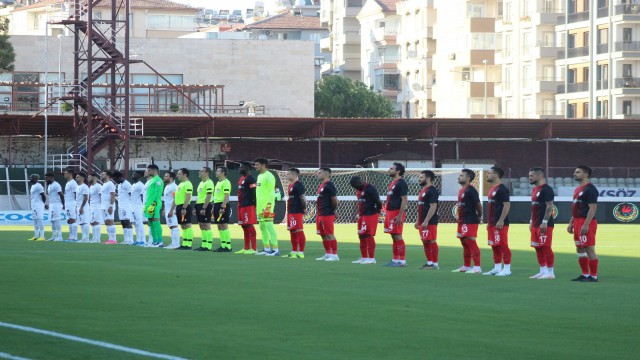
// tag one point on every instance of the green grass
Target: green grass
(227, 306)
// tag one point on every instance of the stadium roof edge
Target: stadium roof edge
(352, 129)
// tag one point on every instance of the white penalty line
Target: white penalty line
(103, 344)
(4, 355)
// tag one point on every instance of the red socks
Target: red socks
(506, 253)
(550, 256)
(474, 251)
(497, 254)
(372, 247)
(249, 236)
(330, 246)
(302, 241)
(294, 241)
(327, 246)
(593, 267)
(542, 258)
(584, 265)
(431, 250)
(402, 249)
(394, 249)
(364, 247)
(466, 253)
(253, 238)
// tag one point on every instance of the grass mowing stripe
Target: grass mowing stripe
(90, 342)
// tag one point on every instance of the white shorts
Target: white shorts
(138, 214)
(70, 211)
(84, 217)
(106, 216)
(55, 212)
(124, 213)
(37, 212)
(171, 220)
(96, 216)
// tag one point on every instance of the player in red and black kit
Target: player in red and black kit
(296, 206)
(427, 222)
(469, 215)
(369, 206)
(327, 203)
(247, 208)
(541, 224)
(498, 223)
(396, 206)
(583, 224)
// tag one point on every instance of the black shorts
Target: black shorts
(206, 218)
(187, 217)
(219, 216)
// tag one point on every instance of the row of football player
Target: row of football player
(583, 224)
(88, 202)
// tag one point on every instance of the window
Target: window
(170, 22)
(627, 70)
(475, 10)
(626, 35)
(548, 39)
(507, 13)
(526, 43)
(476, 106)
(603, 36)
(547, 107)
(500, 8)
(571, 111)
(626, 107)
(549, 7)
(571, 41)
(548, 73)
(526, 73)
(585, 74)
(571, 76)
(524, 9)
(527, 107)
(507, 79)
(585, 110)
(508, 108)
(466, 74)
(507, 45)
(585, 39)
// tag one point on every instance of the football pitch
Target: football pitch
(119, 302)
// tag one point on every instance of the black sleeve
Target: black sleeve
(547, 193)
(432, 196)
(403, 189)
(331, 190)
(592, 195)
(298, 189)
(503, 194)
(475, 197)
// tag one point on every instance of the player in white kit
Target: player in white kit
(95, 202)
(70, 189)
(169, 210)
(137, 206)
(108, 206)
(124, 206)
(56, 206)
(37, 207)
(82, 203)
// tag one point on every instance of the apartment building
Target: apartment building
(343, 41)
(465, 58)
(529, 48)
(380, 52)
(417, 48)
(600, 60)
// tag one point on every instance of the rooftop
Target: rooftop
(287, 20)
(144, 4)
(387, 5)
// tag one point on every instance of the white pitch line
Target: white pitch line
(11, 357)
(90, 342)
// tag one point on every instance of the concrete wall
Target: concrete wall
(276, 74)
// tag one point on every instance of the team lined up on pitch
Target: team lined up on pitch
(91, 201)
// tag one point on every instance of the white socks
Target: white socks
(497, 267)
(97, 233)
(111, 232)
(86, 230)
(507, 267)
(128, 235)
(140, 234)
(175, 236)
(73, 231)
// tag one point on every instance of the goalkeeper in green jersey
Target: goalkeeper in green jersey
(153, 204)
(265, 206)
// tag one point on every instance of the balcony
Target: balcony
(325, 44)
(545, 18)
(546, 51)
(627, 46)
(387, 62)
(481, 25)
(573, 17)
(385, 35)
(574, 52)
(602, 49)
(603, 12)
(353, 7)
(476, 89)
(349, 37)
(627, 9)
(574, 87)
(627, 82)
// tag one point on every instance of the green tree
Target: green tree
(7, 55)
(337, 96)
